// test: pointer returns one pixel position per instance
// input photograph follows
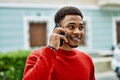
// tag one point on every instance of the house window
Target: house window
(83, 41)
(37, 33)
(118, 31)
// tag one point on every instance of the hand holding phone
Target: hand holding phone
(62, 33)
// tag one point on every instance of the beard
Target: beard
(73, 46)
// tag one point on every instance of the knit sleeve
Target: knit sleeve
(39, 65)
(92, 75)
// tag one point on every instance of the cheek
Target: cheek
(68, 33)
(82, 32)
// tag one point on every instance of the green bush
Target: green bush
(12, 64)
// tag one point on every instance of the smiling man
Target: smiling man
(62, 62)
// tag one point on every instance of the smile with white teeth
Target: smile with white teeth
(76, 39)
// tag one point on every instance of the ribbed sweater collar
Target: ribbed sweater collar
(66, 52)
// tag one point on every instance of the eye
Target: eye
(71, 27)
(81, 28)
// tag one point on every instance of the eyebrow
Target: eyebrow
(74, 23)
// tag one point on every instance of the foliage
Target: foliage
(12, 64)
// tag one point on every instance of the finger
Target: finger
(59, 30)
(63, 37)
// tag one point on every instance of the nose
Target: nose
(76, 30)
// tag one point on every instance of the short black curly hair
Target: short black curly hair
(68, 10)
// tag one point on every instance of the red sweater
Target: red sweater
(45, 64)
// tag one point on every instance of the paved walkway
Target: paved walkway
(110, 75)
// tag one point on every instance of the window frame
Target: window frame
(27, 20)
(114, 20)
(88, 34)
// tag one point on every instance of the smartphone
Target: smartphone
(62, 33)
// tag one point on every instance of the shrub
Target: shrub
(12, 64)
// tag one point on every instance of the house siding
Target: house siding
(12, 30)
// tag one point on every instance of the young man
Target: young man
(55, 62)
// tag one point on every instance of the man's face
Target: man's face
(73, 25)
